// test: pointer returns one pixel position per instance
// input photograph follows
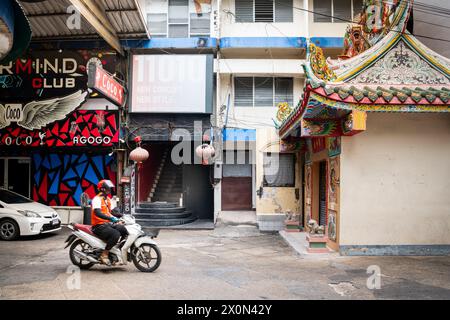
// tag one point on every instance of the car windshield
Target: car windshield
(11, 197)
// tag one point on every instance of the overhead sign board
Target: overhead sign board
(181, 83)
(101, 81)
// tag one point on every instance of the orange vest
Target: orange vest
(106, 209)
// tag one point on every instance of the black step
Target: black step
(162, 198)
(165, 222)
(175, 215)
(169, 188)
(158, 204)
(160, 210)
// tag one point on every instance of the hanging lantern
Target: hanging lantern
(139, 154)
(206, 152)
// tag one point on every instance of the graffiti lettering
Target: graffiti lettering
(18, 141)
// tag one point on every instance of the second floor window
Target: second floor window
(264, 10)
(262, 91)
(178, 19)
(336, 11)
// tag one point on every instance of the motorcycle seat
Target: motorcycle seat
(84, 227)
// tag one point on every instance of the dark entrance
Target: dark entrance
(15, 175)
(323, 193)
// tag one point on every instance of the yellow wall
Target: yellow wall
(274, 200)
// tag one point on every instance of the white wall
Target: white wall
(229, 28)
(395, 181)
(281, 67)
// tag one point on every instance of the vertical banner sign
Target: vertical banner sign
(126, 198)
(133, 189)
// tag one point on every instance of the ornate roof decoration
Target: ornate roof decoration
(391, 72)
(318, 63)
(401, 66)
(377, 19)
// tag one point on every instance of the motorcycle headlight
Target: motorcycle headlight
(29, 214)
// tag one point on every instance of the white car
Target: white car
(20, 216)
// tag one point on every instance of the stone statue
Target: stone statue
(290, 216)
(314, 228)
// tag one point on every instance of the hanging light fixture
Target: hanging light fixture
(206, 152)
(139, 154)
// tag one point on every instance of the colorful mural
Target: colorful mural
(59, 179)
(334, 146)
(81, 128)
(331, 226)
(333, 183)
(308, 182)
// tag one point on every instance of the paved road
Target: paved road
(231, 262)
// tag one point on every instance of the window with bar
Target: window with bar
(264, 11)
(262, 91)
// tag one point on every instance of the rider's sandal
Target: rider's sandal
(105, 260)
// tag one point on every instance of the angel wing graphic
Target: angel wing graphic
(38, 114)
(3, 122)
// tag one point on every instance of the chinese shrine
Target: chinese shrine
(376, 126)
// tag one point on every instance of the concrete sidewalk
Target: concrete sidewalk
(236, 218)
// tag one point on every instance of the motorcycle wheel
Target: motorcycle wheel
(146, 257)
(81, 246)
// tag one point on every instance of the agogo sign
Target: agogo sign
(81, 128)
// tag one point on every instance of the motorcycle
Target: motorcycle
(139, 247)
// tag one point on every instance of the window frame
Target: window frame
(352, 9)
(274, 79)
(188, 24)
(294, 169)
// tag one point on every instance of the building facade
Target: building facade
(56, 137)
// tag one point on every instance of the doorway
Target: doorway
(323, 193)
(15, 175)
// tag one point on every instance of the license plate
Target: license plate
(55, 221)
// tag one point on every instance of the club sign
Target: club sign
(101, 81)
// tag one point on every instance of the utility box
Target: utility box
(218, 170)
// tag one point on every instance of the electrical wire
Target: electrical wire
(355, 22)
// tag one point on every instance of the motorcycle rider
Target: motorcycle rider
(104, 222)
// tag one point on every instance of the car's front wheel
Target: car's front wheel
(9, 229)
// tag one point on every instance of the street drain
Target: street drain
(343, 288)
